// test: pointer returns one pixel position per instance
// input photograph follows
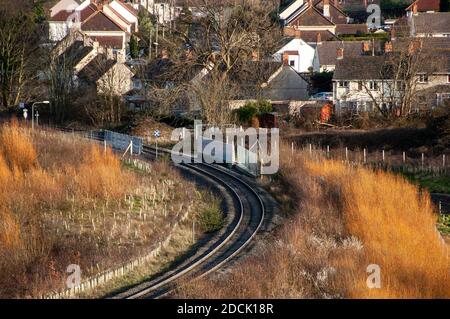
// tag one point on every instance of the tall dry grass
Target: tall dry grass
(397, 226)
(339, 220)
(64, 200)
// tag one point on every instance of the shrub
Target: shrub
(246, 113)
(211, 216)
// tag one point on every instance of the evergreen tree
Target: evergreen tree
(134, 47)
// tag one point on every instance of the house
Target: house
(298, 54)
(423, 24)
(68, 18)
(329, 52)
(430, 24)
(99, 18)
(106, 76)
(317, 18)
(423, 6)
(106, 30)
(354, 90)
(285, 85)
(357, 5)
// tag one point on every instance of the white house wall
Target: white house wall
(57, 31)
(305, 58)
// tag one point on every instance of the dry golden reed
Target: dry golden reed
(342, 220)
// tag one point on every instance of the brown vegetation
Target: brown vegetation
(343, 219)
(66, 201)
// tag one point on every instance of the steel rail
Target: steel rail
(159, 289)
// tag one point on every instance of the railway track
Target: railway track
(249, 213)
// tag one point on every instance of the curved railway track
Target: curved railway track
(249, 216)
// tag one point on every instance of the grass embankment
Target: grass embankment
(65, 201)
(342, 220)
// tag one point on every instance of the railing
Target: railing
(123, 142)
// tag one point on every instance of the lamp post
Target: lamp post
(32, 111)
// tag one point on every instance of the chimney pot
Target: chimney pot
(365, 47)
(340, 53)
(319, 38)
(285, 59)
(326, 8)
(388, 47)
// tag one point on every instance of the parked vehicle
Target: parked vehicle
(322, 96)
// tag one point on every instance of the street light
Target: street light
(32, 111)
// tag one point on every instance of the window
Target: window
(343, 84)
(448, 78)
(373, 85)
(360, 86)
(423, 78)
(292, 63)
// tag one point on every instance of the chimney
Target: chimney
(340, 53)
(388, 47)
(365, 47)
(326, 8)
(285, 59)
(414, 8)
(297, 34)
(318, 38)
(393, 33)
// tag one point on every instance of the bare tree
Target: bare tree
(219, 48)
(395, 91)
(19, 39)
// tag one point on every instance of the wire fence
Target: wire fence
(404, 162)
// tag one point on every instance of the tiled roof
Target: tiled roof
(311, 36)
(360, 68)
(96, 68)
(351, 28)
(114, 42)
(87, 12)
(425, 5)
(328, 50)
(336, 15)
(61, 16)
(100, 22)
(437, 22)
(311, 17)
(378, 67)
(73, 55)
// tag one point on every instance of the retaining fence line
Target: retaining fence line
(438, 165)
(122, 141)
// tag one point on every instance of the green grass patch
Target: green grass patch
(434, 184)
